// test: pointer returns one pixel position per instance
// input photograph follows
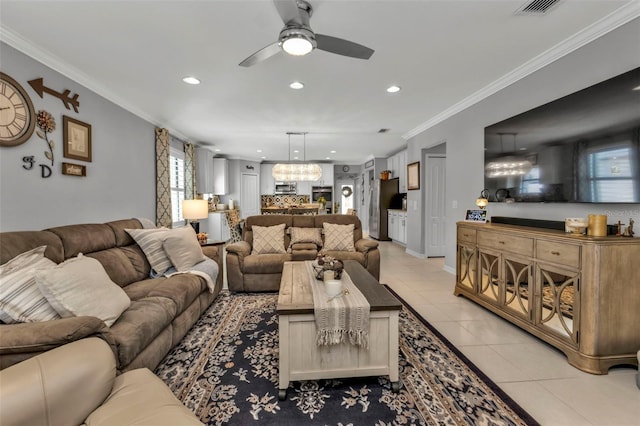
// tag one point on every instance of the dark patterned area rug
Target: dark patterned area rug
(226, 371)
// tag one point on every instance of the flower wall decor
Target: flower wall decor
(46, 124)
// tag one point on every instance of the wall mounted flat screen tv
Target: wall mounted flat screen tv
(581, 148)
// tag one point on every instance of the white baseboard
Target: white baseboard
(416, 254)
(449, 269)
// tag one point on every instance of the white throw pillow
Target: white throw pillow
(150, 241)
(20, 298)
(80, 286)
(338, 237)
(268, 239)
(183, 249)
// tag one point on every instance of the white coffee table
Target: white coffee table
(302, 359)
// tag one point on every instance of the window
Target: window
(176, 168)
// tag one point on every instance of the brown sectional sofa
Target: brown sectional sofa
(262, 272)
(162, 310)
(50, 389)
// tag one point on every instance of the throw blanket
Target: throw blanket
(207, 269)
(344, 316)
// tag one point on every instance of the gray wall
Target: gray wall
(120, 180)
(610, 55)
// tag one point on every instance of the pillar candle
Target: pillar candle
(328, 275)
(597, 225)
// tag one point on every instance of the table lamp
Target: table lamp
(193, 210)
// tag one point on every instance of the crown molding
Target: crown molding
(615, 19)
(55, 63)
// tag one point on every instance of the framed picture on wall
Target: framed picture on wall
(74, 169)
(413, 175)
(76, 137)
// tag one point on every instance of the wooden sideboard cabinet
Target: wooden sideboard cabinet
(580, 294)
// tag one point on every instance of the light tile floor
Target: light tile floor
(534, 374)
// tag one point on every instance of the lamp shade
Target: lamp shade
(296, 172)
(195, 209)
(482, 202)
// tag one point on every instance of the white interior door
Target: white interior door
(249, 195)
(435, 203)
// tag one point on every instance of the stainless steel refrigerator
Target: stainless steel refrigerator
(382, 192)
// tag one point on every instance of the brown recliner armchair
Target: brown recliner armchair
(76, 384)
(263, 272)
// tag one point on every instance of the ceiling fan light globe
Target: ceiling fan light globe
(297, 45)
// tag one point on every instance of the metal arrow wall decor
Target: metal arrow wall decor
(40, 88)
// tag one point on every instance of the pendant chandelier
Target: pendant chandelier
(297, 171)
(509, 165)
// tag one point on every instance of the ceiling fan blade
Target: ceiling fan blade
(289, 12)
(261, 55)
(343, 47)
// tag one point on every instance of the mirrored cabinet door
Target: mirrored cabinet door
(558, 302)
(467, 267)
(489, 286)
(518, 279)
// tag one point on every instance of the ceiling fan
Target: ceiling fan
(297, 38)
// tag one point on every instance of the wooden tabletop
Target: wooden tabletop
(296, 295)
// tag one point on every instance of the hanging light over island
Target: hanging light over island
(297, 171)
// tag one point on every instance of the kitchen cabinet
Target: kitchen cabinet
(402, 227)
(327, 176)
(402, 171)
(575, 292)
(397, 163)
(217, 227)
(204, 171)
(392, 228)
(397, 226)
(220, 176)
(304, 188)
(267, 183)
(393, 225)
(392, 165)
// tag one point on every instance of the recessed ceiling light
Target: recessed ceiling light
(636, 88)
(191, 80)
(296, 151)
(393, 89)
(217, 150)
(333, 151)
(263, 157)
(297, 85)
(259, 150)
(327, 158)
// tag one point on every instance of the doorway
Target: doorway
(249, 195)
(435, 209)
(346, 203)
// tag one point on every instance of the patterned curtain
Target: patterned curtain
(163, 180)
(189, 172)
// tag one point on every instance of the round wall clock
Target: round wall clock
(17, 116)
(345, 168)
